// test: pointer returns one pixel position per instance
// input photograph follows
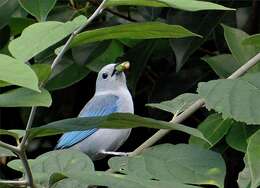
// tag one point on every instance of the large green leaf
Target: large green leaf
(146, 30)
(237, 98)
(65, 74)
(124, 181)
(37, 37)
(18, 24)
(69, 183)
(223, 65)
(234, 38)
(105, 53)
(23, 97)
(214, 128)
(237, 137)
(38, 8)
(193, 5)
(244, 177)
(59, 161)
(5, 152)
(176, 105)
(202, 23)
(116, 120)
(253, 159)
(185, 163)
(16, 133)
(7, 7)
(253, 40)
(43, 71)
(138, 63)
(15, 72)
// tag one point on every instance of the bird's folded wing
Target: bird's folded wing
(100, 105)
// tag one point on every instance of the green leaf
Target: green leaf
(17, 134)
(18, 24)
(184, 163)
(234, 38)
(214, 128)
(253, 40)
(23, 97)
(69, 183)
(69, 74)
(5, 152)
(58, 161)
(7, 8)
(124, 181)
(28, 44)
(203, 23)
(38, 8)
(103, 54)
(43, 71)
(116, 120)
(223, 65)
(237, 98)
(253, 157)
(237, 138)
(176, 105)
(138, 63)
(15, 72)
(244, 177)
(145, 30)
(193, 5)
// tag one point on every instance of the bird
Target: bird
(111, 96)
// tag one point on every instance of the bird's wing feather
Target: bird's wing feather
(101, 105)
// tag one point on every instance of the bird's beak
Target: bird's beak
(123, 66)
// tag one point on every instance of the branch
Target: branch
(193, 108)
(9, 147)
(20, 149)
(14, 182)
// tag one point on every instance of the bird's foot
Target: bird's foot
(115, 153)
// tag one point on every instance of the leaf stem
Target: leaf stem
(193, 108)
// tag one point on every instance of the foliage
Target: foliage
(177, 50)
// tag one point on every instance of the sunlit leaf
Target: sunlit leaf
(184, 163)
(116, 120)
(5, 152)
(234, 38)
(23, 97)
(145, 30)
(176, 105)
(253, 159)
(59, 161)
(237, 98)
(17, 73)
(28, 44)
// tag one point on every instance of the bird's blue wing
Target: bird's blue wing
(100, 105)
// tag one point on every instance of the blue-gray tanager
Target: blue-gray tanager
(111, 96)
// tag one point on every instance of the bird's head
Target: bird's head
(111, 77)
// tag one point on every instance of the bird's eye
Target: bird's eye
(104, 75)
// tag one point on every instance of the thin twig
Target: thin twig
(14, 182)
(20, 149)
(9, 147)
(193, 108)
